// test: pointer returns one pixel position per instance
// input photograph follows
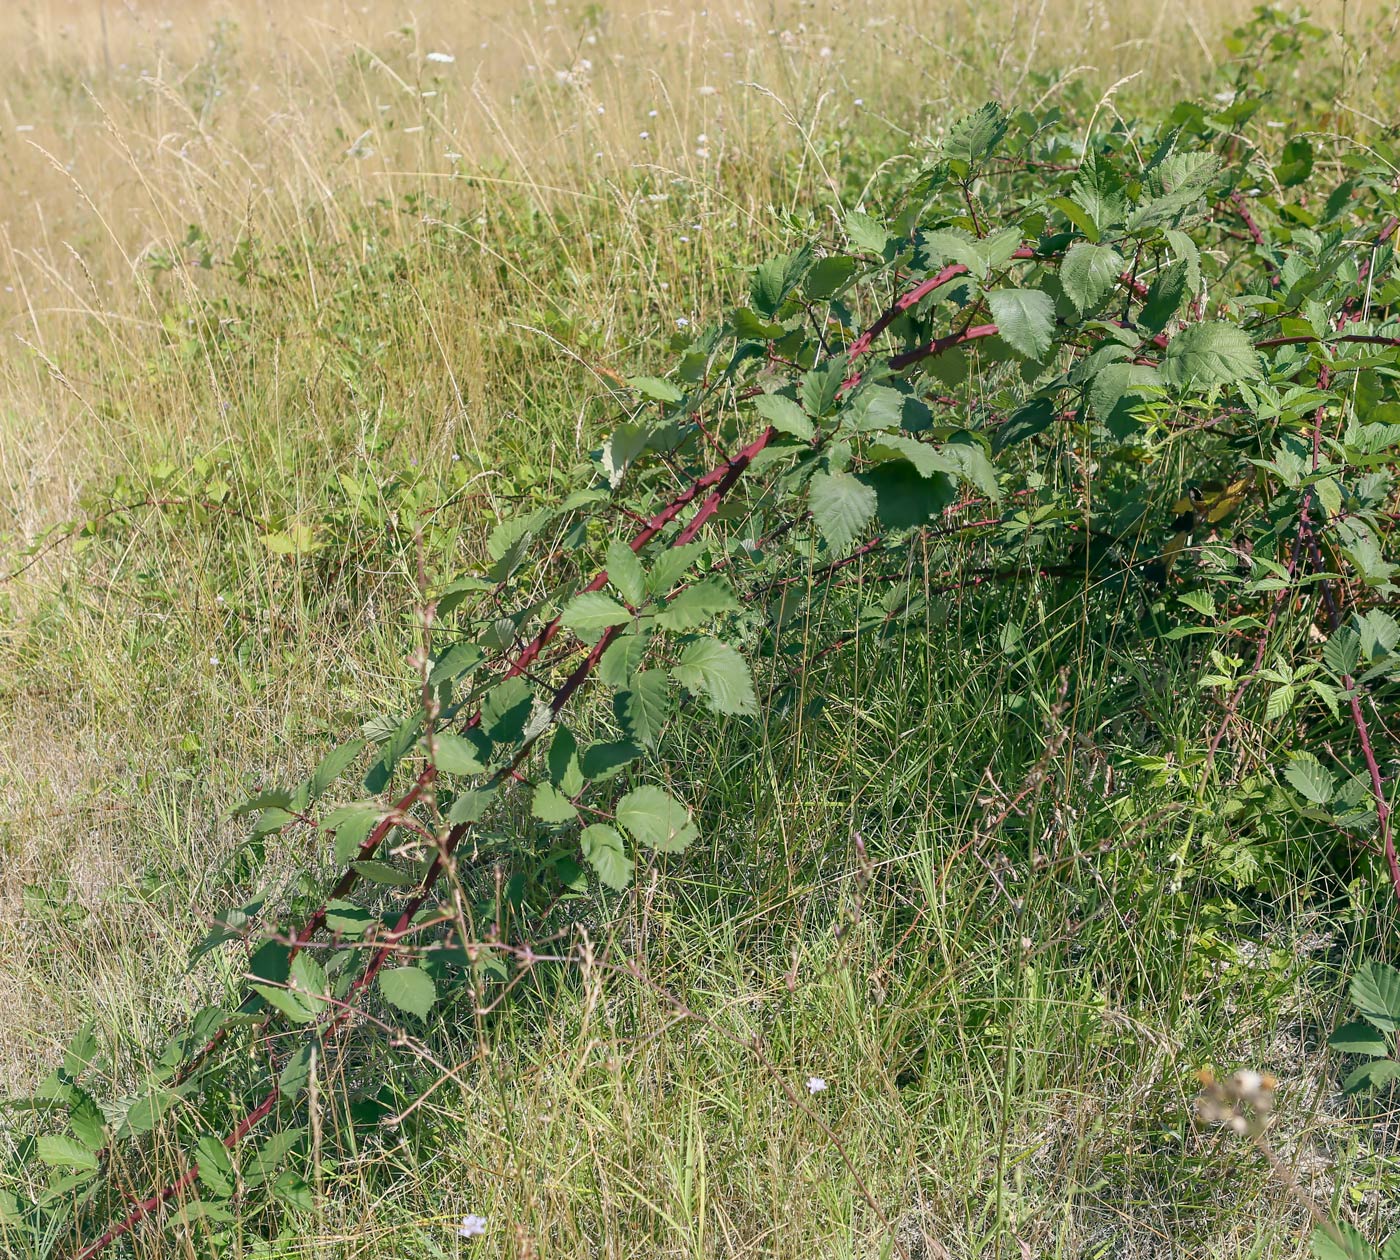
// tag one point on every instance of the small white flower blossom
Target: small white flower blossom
(707, 90)
(815, 1084)
(213, 660)
(445, 58)
(651, 113)
(472, 1226)
(682, 322)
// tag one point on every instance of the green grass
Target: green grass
(1008, 1014)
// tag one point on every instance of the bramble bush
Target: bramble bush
(1147, 369)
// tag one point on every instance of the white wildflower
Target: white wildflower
(815, 1084)
(472, 1226)
(445, 58)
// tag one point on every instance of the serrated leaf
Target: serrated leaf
(506, 708)
(383, 873)
(1279, 702)
(819, 387)
(309, 981)
(455, 754)
(842, 508)
(1372, 1075)
(1375, 991)
(604, 850)
(334, 765)
(1295, 163)
(697, 605)
(1359, 1038)
(670, 566)
(626, 573)
(550, 805)
(1089, 273)
(593, 612)
(1025, 318)
(288, 1003)
(351, 825)
(1164, 296)
(974, 137)
(563, 762)
(410, 989)
(716, 671)
(296, 1074)
(926, 460)
(1204, 355)
(655, 818)
(785, 416)
(655, 388)
(645, 706)
(1352, 1244)
(459, 659)
(831, 274)
(865, 233)
(1310, 778)
(58, 1150)
(605, 759)
(347, 917)
(621, 659)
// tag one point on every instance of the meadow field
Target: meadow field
(298, 302)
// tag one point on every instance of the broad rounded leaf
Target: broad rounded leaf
(455, 755)
(593, 612)
(656, 819)
(1025, 318)
(841, 507)
(605, 851)
(1375, 989)
(784, 415)
(409, 989)
(716, 671)
(58, 1150)
(1215, 353)
(1089, 273)
(1310, 778)
(1358, 1038)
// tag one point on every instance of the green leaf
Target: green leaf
(656, 819)
(459, 659)
(830, 275)
(58, 1150)
(296, 1075)
(975, 137)
(563, 762)
(456, 755)
(383, 873)
(506, 708)
(820, 386)
(626, 573)
(1089, 273)
(604, 850)
(1372, 1075)
(334, 765)
(593, 612)
(410, 989)
(775, 279)
(1025, 318)
(215, 1167)
(926, 460)
(347, 917)
(716, 671)
(1359, 1038)
(1375, 990)
(1164, 296)
(351, 825)
(551, 805)
(603, 760)
(1353, 1244)
(621, 660)
(785, 416)
(842, 508)
(1295, 163)
(645, 706)
(670, 566)
(309, 981)
(288, 1003)
(656, 389)
(1310, 778)
(866, 234)
(697, 605)
(1214, 353)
